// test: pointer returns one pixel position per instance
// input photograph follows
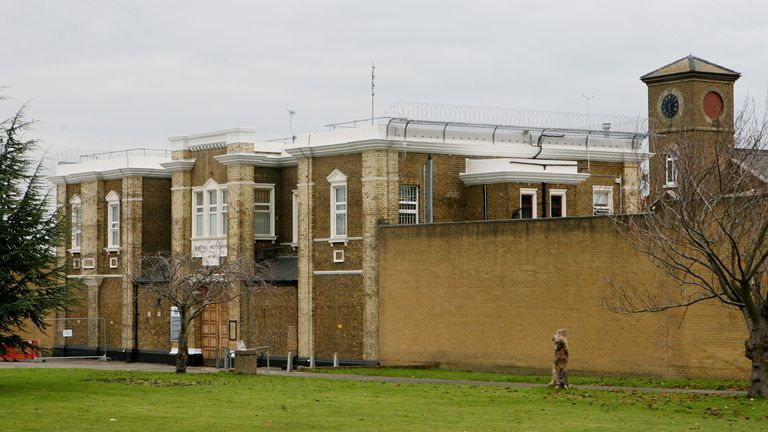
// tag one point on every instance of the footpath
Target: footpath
(155, 367)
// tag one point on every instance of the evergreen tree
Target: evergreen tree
(32, 279)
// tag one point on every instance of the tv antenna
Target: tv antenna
(291, 113)
(373, 88)
(588, 98)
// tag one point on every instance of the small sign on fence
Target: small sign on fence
(67, 332)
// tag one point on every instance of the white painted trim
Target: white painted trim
(262, 236)
(338, 255)
(294, 218)
(113, 205)
(337, 240)
(511, 177)
(338, 180)
(189, 351)
(179, 165)
(94, 276)
(608, 189)
(337, 272)
(561, 193)
(575, 151)
(535, 200)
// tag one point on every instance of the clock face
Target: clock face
(669, 105)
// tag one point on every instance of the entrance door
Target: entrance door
(214, 334)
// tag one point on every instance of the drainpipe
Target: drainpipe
(543, 200)
(485, 202)
(430, 195)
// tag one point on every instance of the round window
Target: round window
(713, 105)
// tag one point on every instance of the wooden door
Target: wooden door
(214, 333)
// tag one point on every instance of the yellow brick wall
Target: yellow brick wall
(490, 295)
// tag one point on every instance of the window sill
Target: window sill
(113, 249)
(265, 238)
(344, 240)
(74, 251)
(670, 186)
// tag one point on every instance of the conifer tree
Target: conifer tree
(32, 279)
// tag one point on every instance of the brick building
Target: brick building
(322, 203)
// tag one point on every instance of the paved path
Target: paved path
(155, 367)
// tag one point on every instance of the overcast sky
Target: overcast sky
(103, 75)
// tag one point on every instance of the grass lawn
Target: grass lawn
(615, 381)
(84, 400)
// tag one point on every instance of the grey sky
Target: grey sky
(107, 75)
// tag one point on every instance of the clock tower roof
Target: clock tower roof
(690, 67)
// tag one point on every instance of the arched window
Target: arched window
(670, 169)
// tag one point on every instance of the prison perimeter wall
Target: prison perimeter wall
(490, 295)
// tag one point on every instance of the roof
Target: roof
(756, 161)
(284, 269)
(688, 66)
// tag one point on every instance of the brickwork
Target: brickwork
(338, 316)
(305, 294)
(269, 318)
(136, 220)
(154, 323)
(111, 310)
(490, 295)
(156, 215)
(380, 205)
(207, 167)
(240, 245)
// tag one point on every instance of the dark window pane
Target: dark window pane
(556, 208)
(526, 206)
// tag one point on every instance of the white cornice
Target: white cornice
(522, 177)
(179, 165)
(113, 174)
(256, 159)
(211, 140)
(513, 150)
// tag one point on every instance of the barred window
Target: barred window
(602, 200)
(409, 204)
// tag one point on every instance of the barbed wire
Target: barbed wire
(516, 117)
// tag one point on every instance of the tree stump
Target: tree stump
(560, 366)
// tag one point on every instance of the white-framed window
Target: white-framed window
(557, 203)
(76, 223)
(338, 204)
(670, 170)
(528, 203)
(209, 210)
(409, 205)
(602, 200)
(264, 211)
(224, 212)
(113, 221)
(295, 218)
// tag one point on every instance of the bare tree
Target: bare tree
(706, 225)
(191, 287)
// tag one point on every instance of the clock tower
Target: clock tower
(688, 99)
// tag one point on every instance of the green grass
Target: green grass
(433, 373)
(85, 400)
